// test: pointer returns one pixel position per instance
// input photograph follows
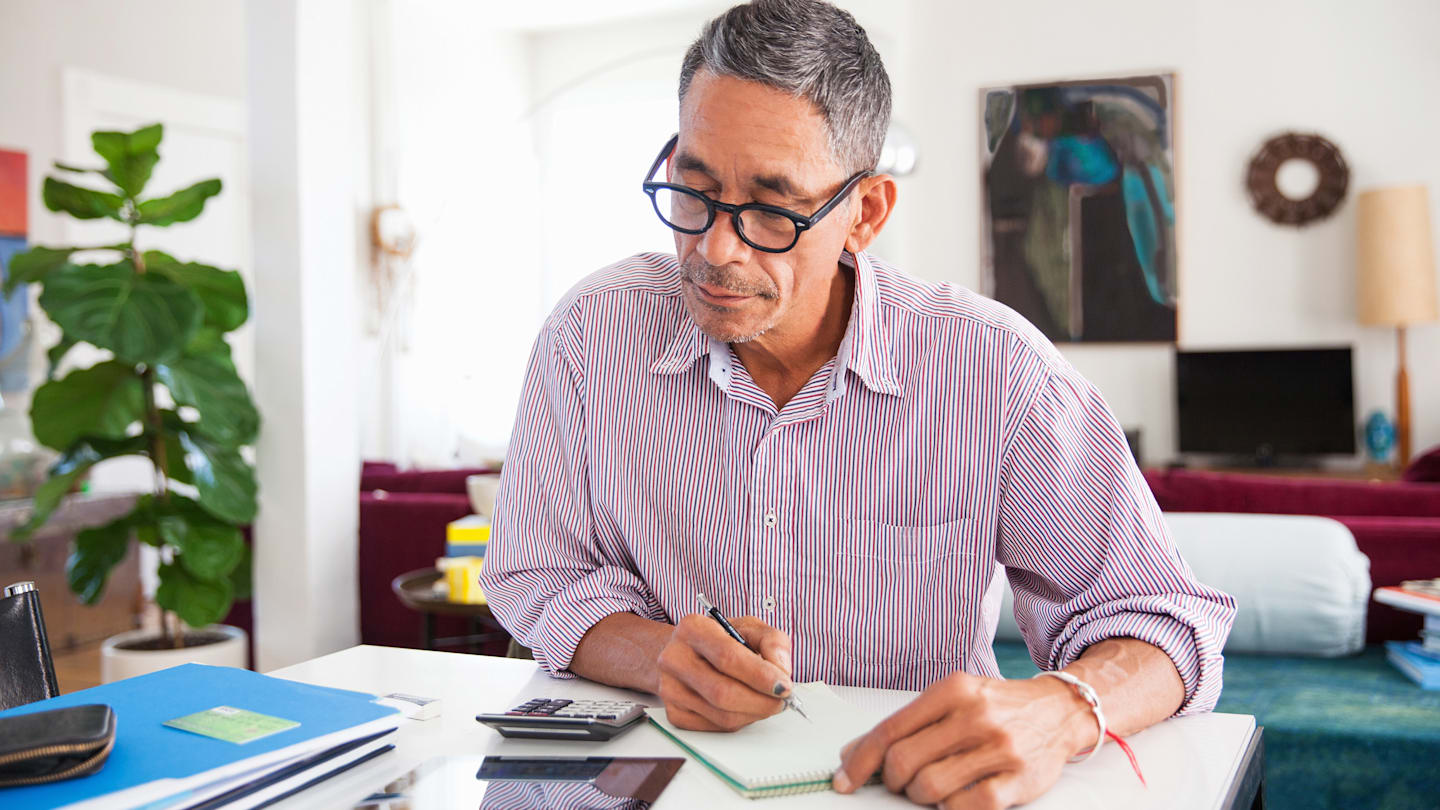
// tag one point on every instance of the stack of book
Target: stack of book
(197, 736)
(1419, 660)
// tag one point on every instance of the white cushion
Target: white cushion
(1301, 586)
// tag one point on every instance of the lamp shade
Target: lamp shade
(1395, 257)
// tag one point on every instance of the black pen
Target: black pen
(791, 702)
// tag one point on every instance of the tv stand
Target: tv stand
(1369, 472)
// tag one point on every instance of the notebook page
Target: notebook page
(785, 749)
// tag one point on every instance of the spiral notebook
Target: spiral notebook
(779, 755)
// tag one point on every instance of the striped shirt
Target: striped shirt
(868, 518)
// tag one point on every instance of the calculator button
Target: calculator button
(605, 716)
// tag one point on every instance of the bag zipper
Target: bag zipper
(52, 750)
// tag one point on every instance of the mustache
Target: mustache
(698, 271)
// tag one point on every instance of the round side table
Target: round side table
(416, 590)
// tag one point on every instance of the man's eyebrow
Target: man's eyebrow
(778, 183)
(686, 162)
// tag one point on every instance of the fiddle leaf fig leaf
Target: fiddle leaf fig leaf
(80, 202)
(66, 167)
(182, 206)
(224, 481)
(34, 265)
(209, 548)
(175, 467)
(222, 292)
(141, 317)
(204, 377)
(96, 553)
(68, 470)
(103, 400)
(198, 602)
(131, 156)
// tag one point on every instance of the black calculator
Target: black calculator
(564, 719)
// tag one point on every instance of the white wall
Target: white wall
(180, 44)
(308, 157)
(1367, 76)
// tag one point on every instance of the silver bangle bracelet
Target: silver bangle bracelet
(1089, 695)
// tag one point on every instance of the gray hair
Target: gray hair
(811, 50)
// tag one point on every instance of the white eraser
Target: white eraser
(412, 706)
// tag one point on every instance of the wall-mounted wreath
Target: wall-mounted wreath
(1332, 179)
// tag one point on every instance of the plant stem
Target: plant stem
(155, 429)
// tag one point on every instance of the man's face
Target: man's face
(742, 142)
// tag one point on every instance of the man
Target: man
(835, 451)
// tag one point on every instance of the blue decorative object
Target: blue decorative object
(1379, 436)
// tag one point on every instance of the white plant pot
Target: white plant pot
(117, 663)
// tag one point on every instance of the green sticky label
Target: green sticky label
(231, 724)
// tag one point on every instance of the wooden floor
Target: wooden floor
(78, 668)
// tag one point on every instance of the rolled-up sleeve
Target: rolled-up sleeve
(1087, 551)
(545, 577)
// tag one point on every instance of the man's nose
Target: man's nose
(721, 245)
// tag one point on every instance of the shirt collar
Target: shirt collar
(865, 349)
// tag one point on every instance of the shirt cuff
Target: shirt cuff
(570, 614)
(1198, 661)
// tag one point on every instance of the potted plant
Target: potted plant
(168, 392)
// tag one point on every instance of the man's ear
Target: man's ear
(877, 200)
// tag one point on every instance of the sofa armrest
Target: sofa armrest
(1399, 548)
(399, 532)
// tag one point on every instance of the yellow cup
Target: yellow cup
(462, 575)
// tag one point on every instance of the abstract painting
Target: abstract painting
(1078, 206)
(14, 225)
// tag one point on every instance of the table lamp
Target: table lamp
(1396, 286)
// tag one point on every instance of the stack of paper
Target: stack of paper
(196, 736)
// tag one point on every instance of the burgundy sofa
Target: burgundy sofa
(1396, 525)
(402, 528)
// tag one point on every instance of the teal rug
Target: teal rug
(1343, 733)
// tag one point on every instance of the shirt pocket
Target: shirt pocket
(905, 594)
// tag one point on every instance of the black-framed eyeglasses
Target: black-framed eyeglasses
(764, 227)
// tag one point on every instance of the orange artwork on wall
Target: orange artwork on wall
(13, 220)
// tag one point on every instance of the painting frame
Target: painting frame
(1079, 214)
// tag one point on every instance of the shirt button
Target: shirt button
(770, 520)
(769, 603)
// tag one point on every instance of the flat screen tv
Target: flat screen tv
(1266, 404)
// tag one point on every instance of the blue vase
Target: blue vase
(1379, 436)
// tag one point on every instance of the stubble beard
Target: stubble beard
(697, 271)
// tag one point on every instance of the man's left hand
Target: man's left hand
(973, 742)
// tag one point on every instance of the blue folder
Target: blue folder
(146, 750)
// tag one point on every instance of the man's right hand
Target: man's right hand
(710, 682)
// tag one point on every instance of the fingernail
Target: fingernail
(842, 782)
(780, 688)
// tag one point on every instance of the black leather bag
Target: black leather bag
(27, 673)
(59, 744)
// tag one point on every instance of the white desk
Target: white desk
(1193, 762)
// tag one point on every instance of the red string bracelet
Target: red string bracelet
(1124, 746)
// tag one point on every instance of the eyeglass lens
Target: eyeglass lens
(690, 213)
